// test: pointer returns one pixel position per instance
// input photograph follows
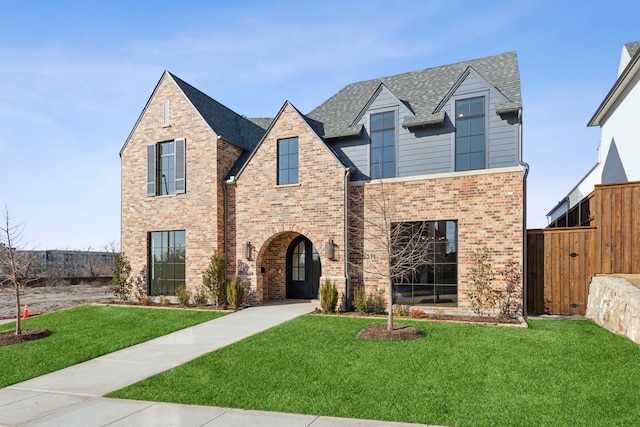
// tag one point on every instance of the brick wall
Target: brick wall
(199, 210)
(271, 216)
(487, 205)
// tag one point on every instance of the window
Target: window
(165, 113)
(287, 161)
(383, 131)
(435, 280)
(166, 261)
(470, 134)
(166, 168)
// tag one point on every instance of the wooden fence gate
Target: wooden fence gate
(559, 270)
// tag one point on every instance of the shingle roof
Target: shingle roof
(232, 127)
(632, 48)
(422, 90)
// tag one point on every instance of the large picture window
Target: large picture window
(166, 168)
(435, 280)
(288, 161)
(383, 135)
(470, 134)
(166, 261)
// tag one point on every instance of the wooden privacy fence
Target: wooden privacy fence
(559, 269)
(562, 261)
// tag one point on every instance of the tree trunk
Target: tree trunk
(390, 308)
(18, 319)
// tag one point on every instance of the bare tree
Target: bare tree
(383, 245)
(15, 262)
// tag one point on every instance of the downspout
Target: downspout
(525, 173)
(231, 180)
(347, 174)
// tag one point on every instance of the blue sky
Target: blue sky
(75, 75)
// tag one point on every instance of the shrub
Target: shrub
(182, 294)
(417, 314)
(214, 279)
(201, 296)
(328, 296)
(480, 293)
(139, 285)
(235, 293)
(376, 301)
(360, 300)
(121, 285)
(401, 310)
(510, 301)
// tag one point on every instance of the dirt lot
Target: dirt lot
(46, 299)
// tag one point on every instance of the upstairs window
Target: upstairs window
(288, 161)
(470, 134)
(166, 168)
(383, 135)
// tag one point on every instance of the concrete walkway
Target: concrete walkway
(73, 396)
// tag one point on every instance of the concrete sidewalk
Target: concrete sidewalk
(73, 396)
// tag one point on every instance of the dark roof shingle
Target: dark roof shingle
(232, 127)
(421, 90)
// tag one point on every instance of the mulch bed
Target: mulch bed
(10, 337)
(378, 331)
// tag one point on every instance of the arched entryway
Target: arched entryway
(303, 269)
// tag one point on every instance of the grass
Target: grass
(557, 372)
(85, 332)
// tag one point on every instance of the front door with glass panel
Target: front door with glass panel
(303, 269)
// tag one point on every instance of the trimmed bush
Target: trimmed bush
(121, 285)
(235, 293)
(182, 294)
(376, 301)
(360, 300)
(328, 296)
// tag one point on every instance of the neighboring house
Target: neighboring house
(619, 149)
(276, 196)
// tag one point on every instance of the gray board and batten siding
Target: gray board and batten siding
(430, 149)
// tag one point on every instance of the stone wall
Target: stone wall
(614, 304)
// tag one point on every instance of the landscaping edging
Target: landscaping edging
(614, 304)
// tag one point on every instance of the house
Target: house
(280, 197)
(618, 152)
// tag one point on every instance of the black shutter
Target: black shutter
(151, 170)
(180, 166)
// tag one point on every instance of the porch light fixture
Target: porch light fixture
(248, 249)
(330, 248)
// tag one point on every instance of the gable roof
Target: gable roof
(314, 125)
(632, 48)
(624, 81)
(421, 91)
(227, 124)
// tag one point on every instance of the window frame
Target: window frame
(384, 148)
(284, 161)
(436, 270)
(155, 179)
(163, 285)
(459, 118)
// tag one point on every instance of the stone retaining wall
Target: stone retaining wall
(614, 304)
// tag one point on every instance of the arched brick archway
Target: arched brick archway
(271, 262)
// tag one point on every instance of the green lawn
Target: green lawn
(85, 332)
(557, 372)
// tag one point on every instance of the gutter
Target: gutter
(347, 174)
(525, 173)
(225, 183)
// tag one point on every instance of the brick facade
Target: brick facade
(199, 210)
(487, 206)
(270, 216)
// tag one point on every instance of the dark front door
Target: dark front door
(303, 269)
